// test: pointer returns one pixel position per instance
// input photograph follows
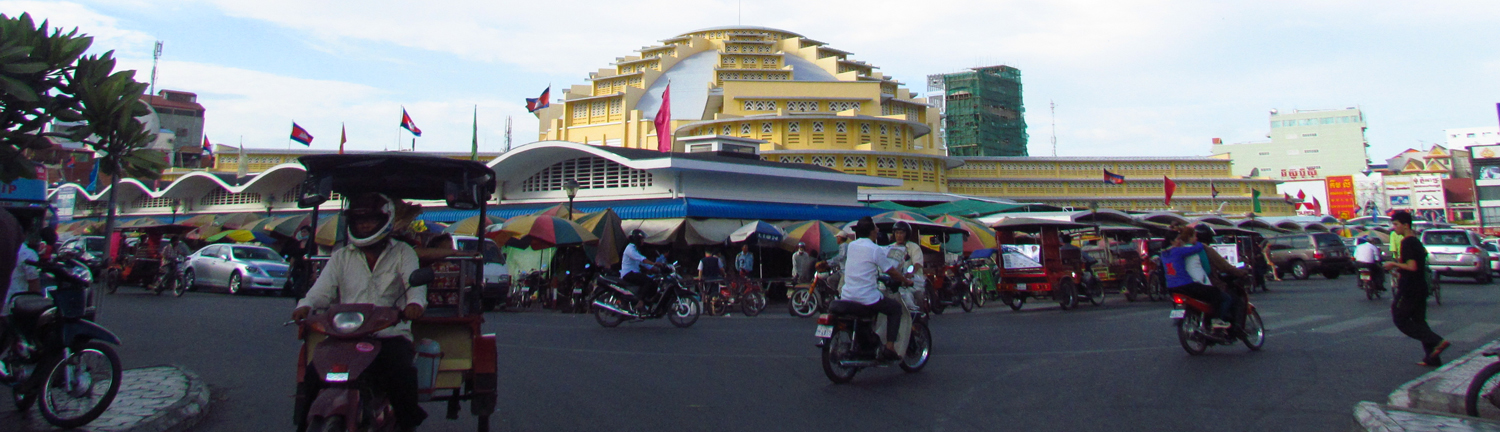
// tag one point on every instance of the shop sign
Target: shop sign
(1341, 203)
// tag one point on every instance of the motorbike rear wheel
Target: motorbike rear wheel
(803, 303)
(685, 312)
(753, 302)
(1134, 285)
(1095, 290)
(834, 350)
(966, 302)
(1483, 386)
(1255, 332)
(1066, 294)
(78, 376)
(1187, 333)
(918, 348)
(976, 291)
(606, 317)
(1015, 302)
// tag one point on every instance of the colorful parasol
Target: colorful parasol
(239, 220)
(200, 220)
(328, 231)
(141, 222)
(979, 236)
(763, 233)
(560, 210)
(239, 236)
(541, 232)
(470, 226)
(606, 225)
(818, 235)
(900, 215)
(287, 226)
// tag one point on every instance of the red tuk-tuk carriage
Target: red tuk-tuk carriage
(466, 367)
(137, 256)
(1034, 264)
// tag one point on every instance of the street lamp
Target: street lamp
(571, 187)
(176, 204)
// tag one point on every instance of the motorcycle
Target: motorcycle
(578, 299)
(1367, 283)
(1483, 387)
(1191, 317)
(171, 278)
(850, 341)
(614, 300)
(49, 351)
(955, 290)
(809, 301)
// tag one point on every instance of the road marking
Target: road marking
(1395, 332)
(1278, 325)
(1347, 325)
(1472, 332)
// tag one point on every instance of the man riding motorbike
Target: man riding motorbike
(372, 269)
(1210, 259)
(633, 266)
(862, 268)
(1367, 256)
(1179, 262)
(908, 253)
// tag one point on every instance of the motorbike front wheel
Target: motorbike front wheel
(918, 348)
(803, 303)
(606, 317)
(1187, 333)
(1255, 332)
(967, 302)
(685, 312)
(1483, 386)
(976, 290)
(753, 302)
(834, 350)
(81, 385)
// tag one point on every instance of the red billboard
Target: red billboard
(1341, 203)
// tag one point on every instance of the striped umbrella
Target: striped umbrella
(239, 220)
(541, 232)
(200, 221)
(141, 222)
(817, 235)
(287, 226)
(470, 225)
(328, 231)
(900, 215)
(979, 236)
(239, 236)
(560, 210)
(605, 225)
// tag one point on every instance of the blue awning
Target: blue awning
(676, 208)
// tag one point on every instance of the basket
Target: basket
(70, 302)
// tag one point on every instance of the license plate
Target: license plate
(336, 377)
(1178, 313)
(1020, 287)
(1364, 277)
(824, 331)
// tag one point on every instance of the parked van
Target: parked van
(1303, 255)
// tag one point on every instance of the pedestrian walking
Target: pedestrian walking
(1409, 308)
(1265, 254)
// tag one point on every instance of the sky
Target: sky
(1129, 78)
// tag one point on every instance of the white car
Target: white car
(236, 268)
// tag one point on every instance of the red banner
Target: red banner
(1341, 203)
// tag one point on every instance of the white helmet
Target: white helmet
(366, 206)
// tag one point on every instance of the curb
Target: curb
(1370, 416)
(166, 398)
(1443, 388)
(183, 414)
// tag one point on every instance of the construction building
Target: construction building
(982, 111)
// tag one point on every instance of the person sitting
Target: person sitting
(1367, 256)
(866, 261)
(372, 269)
(1175, 262)
(634, 268)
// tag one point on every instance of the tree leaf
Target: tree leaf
(17, 89)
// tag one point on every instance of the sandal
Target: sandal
(1438, 350)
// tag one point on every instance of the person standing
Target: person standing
(1409, 309)
(802, 264)
(744, 262)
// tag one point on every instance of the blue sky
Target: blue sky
(1130, 78)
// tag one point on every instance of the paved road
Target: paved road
(1115, 367)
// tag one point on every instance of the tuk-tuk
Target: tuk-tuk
(1116, 259)
(1034, 263)
(466, 368)
(137, 258)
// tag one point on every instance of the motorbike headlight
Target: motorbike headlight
(347, 322)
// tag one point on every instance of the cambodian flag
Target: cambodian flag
(208, 148)
(408, 124)
(300, 135)
(543, 101)
(1113, 178)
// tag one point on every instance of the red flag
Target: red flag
(300, 135)
(1171, 187)
(1113, 178)
(664, 122)
(208, 148)
(343, 137)
(1317, 207)
(408, 124)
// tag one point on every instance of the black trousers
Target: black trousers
(392, 372)
(1409, 311)
(1377, 274)
(1222, 303)
(648, 285)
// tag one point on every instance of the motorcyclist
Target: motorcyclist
(1187, 251)
(908, 253)
(633, 268)
(171, 254)
(862, 268)
(372, 269)
(1210, 259)
(1367, 254)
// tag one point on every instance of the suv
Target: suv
(1456, 252)
(1305, 254)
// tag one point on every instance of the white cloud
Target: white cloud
(107, 33)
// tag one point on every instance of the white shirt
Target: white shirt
(1367, 253)
(862, 268)
(347, 278)
(1194, 264)
(21, 277)
(632, 261)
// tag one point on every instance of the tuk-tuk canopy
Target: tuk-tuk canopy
(398, 175)
(1031, 224)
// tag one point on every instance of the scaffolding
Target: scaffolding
(983, 114)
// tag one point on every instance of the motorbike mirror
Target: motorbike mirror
(315, 192)
(421, 276)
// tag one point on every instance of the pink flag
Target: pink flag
(664, 122)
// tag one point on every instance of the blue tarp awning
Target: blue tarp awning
(676, 208)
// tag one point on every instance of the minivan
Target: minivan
(1304, 254)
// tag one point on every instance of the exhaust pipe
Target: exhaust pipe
(612, 308)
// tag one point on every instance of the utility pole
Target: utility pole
(155, 57)
(1053, 106)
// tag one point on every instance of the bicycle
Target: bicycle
(1483, 386)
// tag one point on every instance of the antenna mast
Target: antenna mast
(155, 57)
(1053, 105)
(507, 133)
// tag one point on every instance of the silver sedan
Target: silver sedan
(236, 268)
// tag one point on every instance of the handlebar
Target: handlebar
(58, 272)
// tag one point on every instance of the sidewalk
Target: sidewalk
(1433, 401)
(153, 399)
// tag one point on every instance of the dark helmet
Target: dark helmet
(902, 226)
(1205, 233)
(636, 236)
